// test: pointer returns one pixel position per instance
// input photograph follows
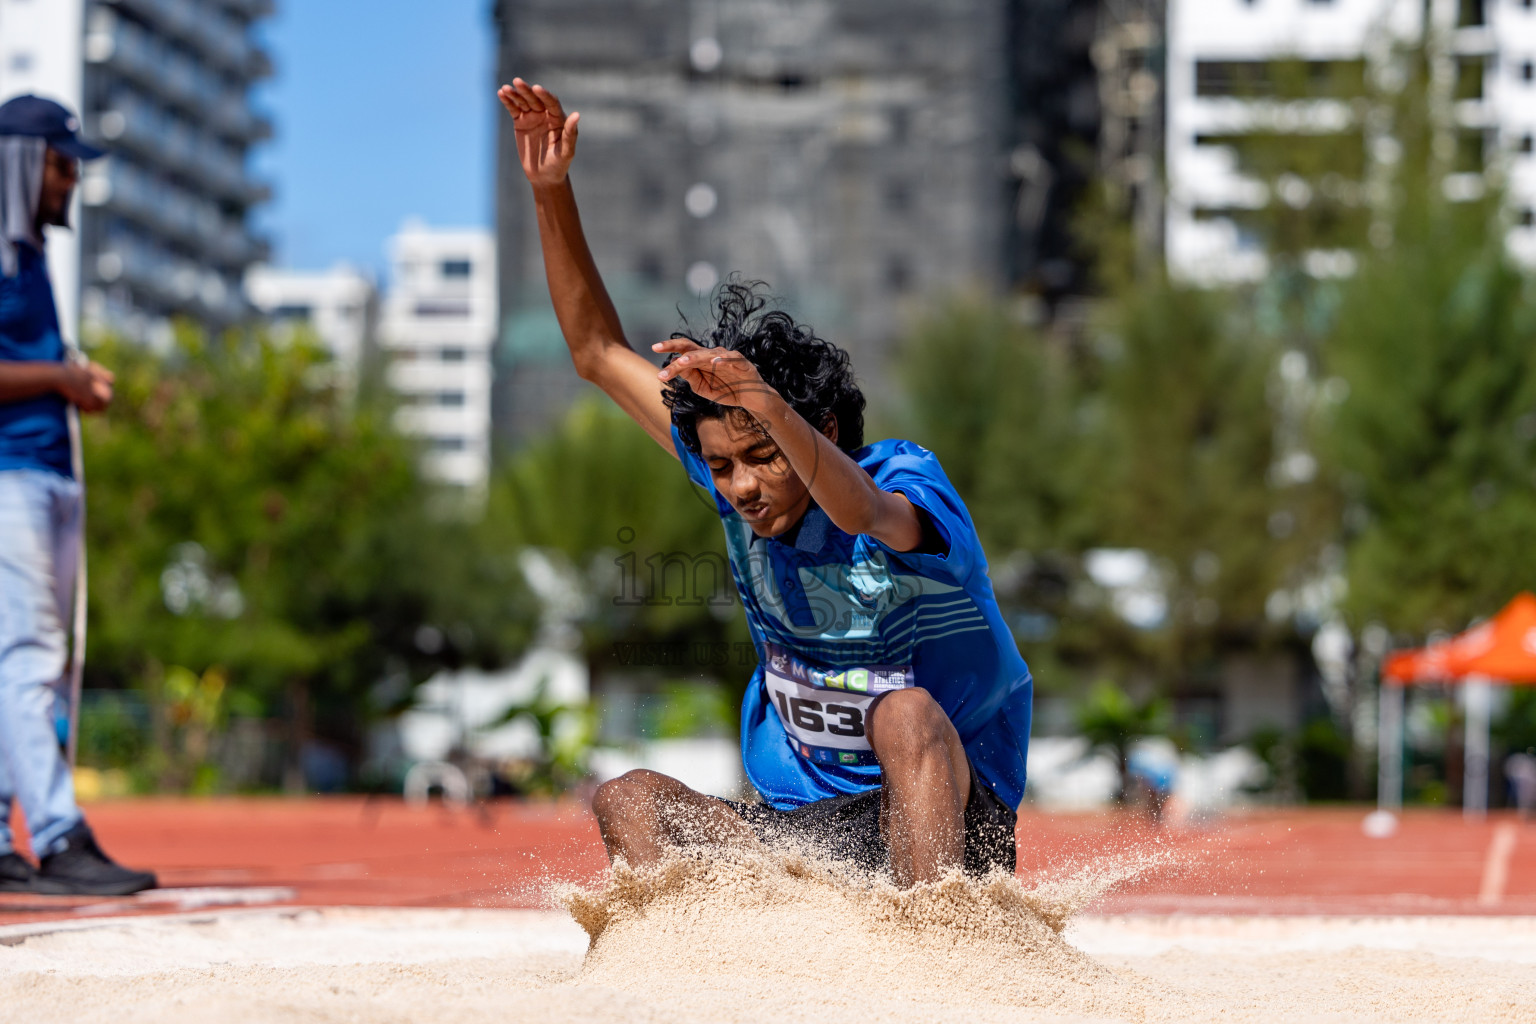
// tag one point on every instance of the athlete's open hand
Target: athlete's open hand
(546, 137)
(718, 374)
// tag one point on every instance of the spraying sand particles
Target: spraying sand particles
(768, 928)
(775, 936)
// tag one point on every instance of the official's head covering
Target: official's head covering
(29, 127)
(38, 118)
(21, 188)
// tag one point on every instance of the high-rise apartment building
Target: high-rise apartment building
(164, 86)
(853, 155)
(1222, 95)
(436, 334)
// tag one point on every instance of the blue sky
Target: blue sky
(384, 110)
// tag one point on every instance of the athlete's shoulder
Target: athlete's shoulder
(908, 468)
(897, 457)
(879, 452)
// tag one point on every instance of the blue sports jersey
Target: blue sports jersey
(34, 433)
(838, 619)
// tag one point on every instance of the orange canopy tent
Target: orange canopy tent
(1500, 650)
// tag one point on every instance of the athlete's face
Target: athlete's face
(752, 474)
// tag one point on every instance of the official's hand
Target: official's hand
(86, 385)
(546, 137)
(718, 374)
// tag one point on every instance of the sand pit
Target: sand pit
(772, 939)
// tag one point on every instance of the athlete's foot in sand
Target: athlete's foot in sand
(926, 782)
(643, 816)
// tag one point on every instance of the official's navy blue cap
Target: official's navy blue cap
(45, 119)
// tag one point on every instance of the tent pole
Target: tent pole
(1478, 697)
(1389, 748)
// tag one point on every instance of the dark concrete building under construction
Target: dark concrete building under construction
(862, 157)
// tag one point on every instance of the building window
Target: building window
(1471, 149)
(452, 354)
(450, 399)
(1258, 79)
(1527, 71)
(1470, 13)
(435, 309)
(293, 312)
(455, 268)
(1527, 144)
(1469, 78)
(898, 197)
(447, 444)
(1527, 218)
(21, 61)
(898, 274)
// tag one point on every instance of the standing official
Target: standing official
(41, 504)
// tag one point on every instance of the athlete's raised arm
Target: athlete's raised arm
(546, 144)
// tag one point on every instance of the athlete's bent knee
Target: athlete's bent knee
(631, 792)
(907, 724)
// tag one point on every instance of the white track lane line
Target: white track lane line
(1496, 865)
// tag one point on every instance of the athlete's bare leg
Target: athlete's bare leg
(926, 783)
(644, 814)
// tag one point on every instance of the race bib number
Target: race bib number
(824, 710)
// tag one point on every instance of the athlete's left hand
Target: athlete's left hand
(718, 374)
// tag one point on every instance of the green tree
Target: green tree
(1160, 435)
(246, 517)
(642, 543)
(997, 404)
(1434, 447)
(1186, 464)
(1436, 442)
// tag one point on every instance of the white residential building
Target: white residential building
(1217, 53)
(163, 229)
(339, 305)
(437, 331)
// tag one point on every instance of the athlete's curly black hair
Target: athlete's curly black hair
(813, 375)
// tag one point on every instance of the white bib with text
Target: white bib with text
(824, 710)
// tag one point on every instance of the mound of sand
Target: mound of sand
(732, 929)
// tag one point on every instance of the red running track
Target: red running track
(359, 851)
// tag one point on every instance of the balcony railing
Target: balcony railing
(174, 145)
(251, 10)
(210, 30)
(163, 209)
(171, 76)
(166, 280)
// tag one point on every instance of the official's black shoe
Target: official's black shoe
(81, 868)
(18, 875)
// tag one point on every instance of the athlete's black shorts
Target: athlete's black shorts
(847, 828)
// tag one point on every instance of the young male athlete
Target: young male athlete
(889, 719)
